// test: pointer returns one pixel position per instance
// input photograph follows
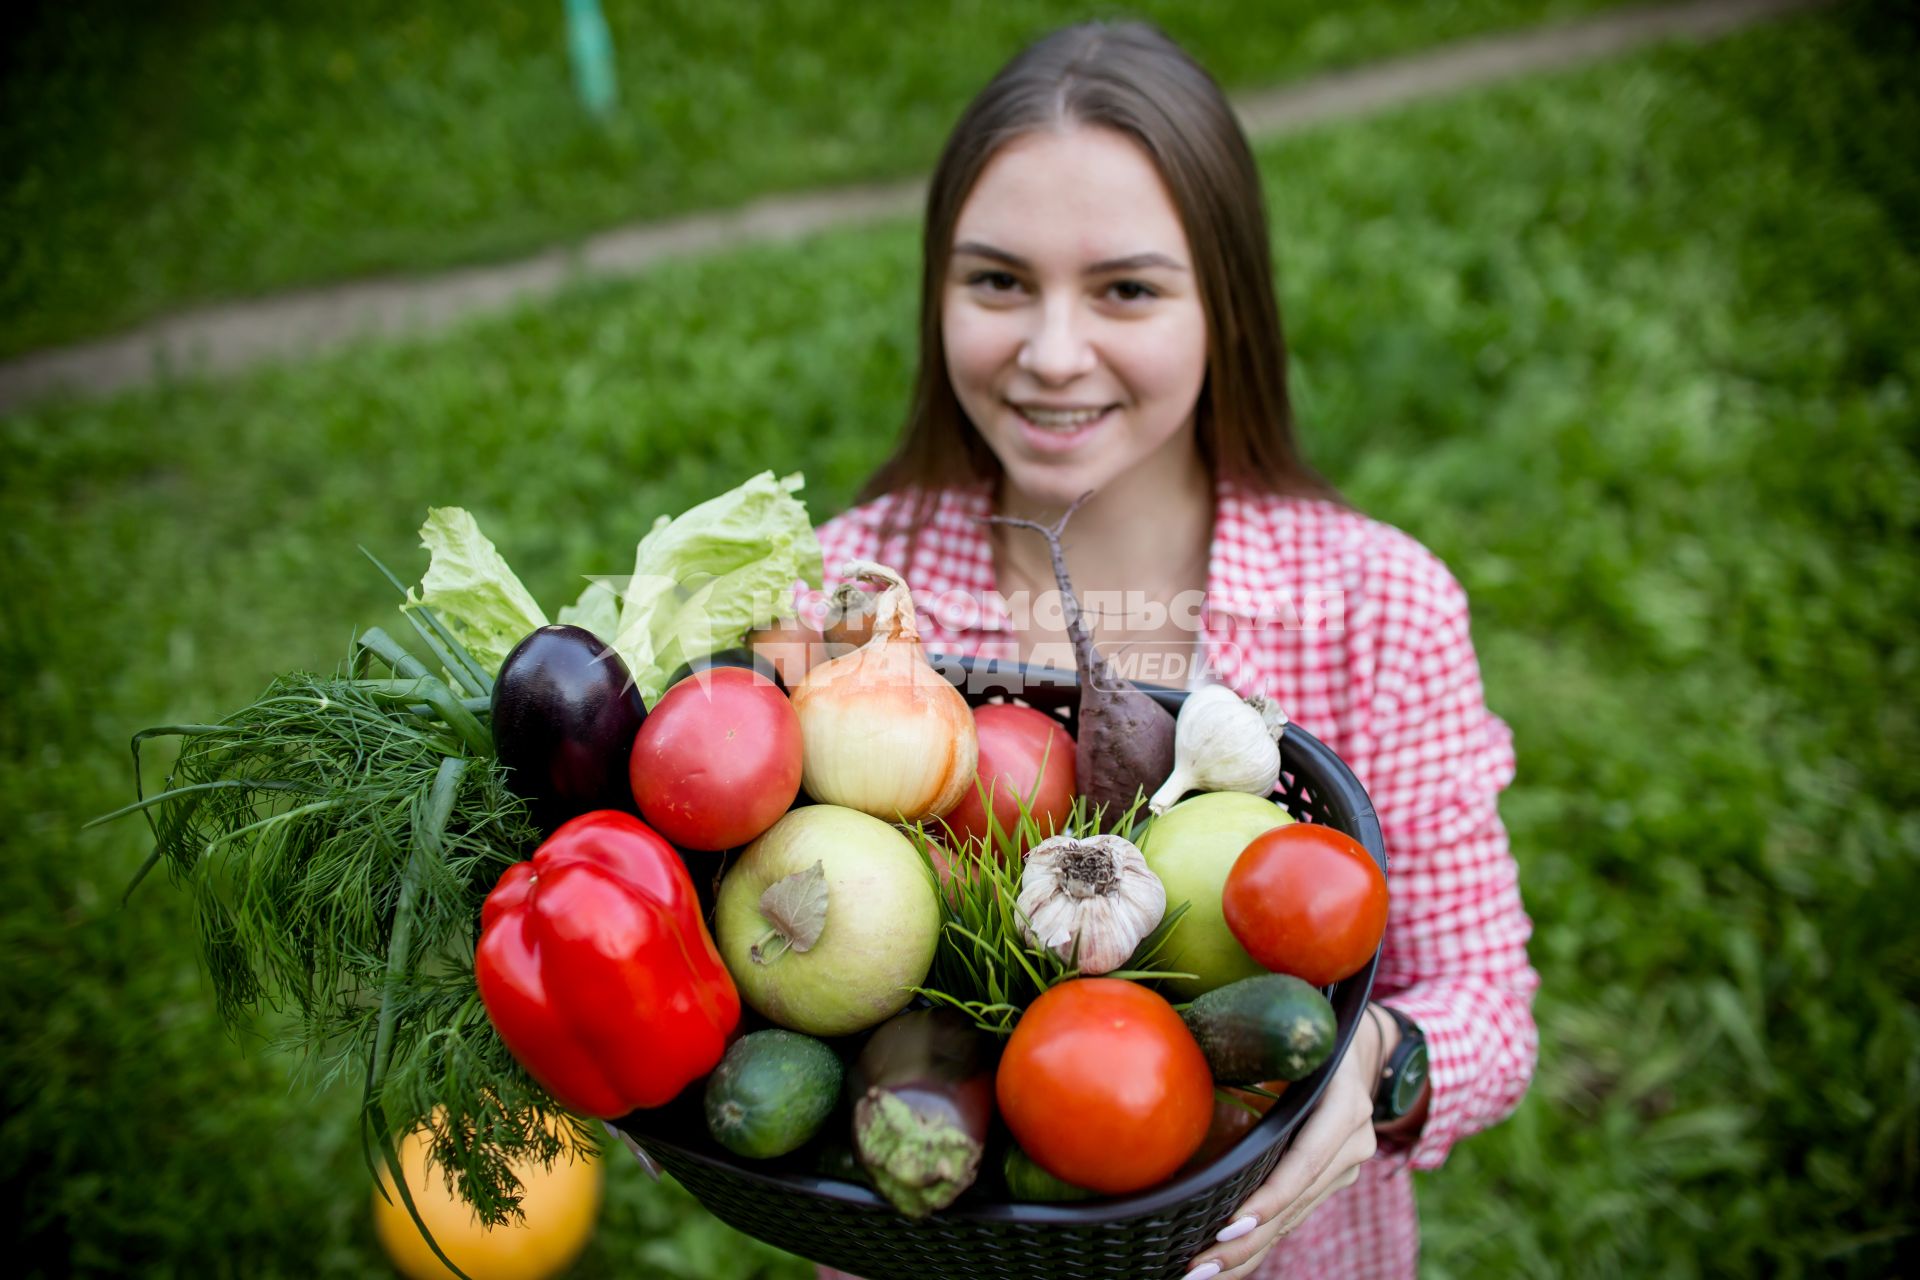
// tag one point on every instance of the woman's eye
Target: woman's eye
(1132, 290)
(993, 281)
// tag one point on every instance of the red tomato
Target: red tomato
(717, 760)
(1307, 900)
(1014, 743)
(1103, 1085)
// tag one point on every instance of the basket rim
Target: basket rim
(1273, 1129)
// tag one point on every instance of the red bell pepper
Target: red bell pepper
(599, 973)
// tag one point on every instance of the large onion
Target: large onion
(881, 730)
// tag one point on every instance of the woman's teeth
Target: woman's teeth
(1060, 417)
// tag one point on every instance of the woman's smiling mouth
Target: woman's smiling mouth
(1046, 416)
(1055, 429)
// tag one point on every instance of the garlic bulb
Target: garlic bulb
(1223, 742)
(1097, 892)
(880, 730)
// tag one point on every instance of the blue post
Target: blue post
(591, 47)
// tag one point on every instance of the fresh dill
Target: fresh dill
(338, 835)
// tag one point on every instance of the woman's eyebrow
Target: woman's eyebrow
(1135, 262)
(1132, 262)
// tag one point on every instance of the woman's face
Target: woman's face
(1074, 333)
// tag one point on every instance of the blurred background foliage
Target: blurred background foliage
(165, 153)
(1631, 347)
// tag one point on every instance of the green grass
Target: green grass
(1631, 348)
(155, 156)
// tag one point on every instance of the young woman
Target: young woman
(1098, 315)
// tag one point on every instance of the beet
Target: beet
(1124, 745)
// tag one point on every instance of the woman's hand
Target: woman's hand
(1326, 1156)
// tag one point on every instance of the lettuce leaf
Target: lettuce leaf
(700, 582)
(597, 609)
(470, 586)
(703, 581)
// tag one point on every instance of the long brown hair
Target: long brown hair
(1132, 78)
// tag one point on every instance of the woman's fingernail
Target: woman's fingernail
(1205, 1271)
(1237, 1228)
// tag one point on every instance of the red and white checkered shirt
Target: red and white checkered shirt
(1361, 635)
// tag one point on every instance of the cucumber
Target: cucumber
(1269, 1027)
(771, 1092)
(1029, 1183)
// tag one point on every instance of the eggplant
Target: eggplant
(565, 713)
(923, 1102)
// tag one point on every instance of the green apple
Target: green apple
(1191, 847)
(826, 921)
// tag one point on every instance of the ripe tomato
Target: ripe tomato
(1014, 743)
(1307, 900)
(717, 761)
(1103, 1085)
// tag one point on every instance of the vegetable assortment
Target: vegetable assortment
(958, 913)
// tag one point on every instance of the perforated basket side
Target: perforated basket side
(1025, 1242)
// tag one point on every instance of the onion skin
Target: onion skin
(882, 731)
(850, 613)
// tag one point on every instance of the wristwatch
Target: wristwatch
(1404, 1078)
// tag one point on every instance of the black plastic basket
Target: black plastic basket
(1153, 1233)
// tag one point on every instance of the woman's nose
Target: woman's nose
(1058, 349)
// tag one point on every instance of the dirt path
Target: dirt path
(228, 337)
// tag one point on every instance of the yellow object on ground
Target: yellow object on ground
(561, 1204)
